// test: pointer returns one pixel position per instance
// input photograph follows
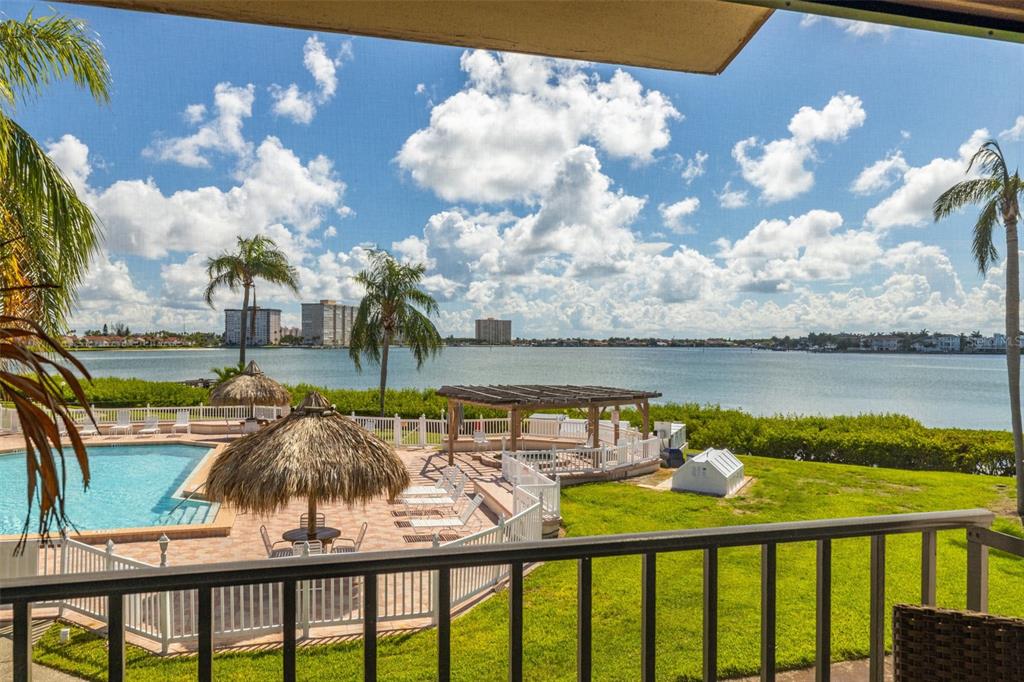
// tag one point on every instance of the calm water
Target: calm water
(963, 390)
(131, 487)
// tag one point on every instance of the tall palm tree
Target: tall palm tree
(255, 258)
(394, 307)
(998, 191)
(47, 234)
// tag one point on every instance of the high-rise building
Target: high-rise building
(266, 331)
(494, 331)
(327, 323)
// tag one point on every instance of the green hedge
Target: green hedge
(886, 440)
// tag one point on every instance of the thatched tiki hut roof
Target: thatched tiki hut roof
(251, 387)
(314, 453)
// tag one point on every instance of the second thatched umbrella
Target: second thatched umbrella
(314, 453)
(252, 387)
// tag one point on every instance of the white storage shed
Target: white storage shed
(712, 472)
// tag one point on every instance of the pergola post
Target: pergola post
(452, 431)
(645, 413)
(592, 426)
(515, 426)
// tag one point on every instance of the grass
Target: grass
(783, 491)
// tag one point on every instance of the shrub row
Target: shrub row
(885, 440)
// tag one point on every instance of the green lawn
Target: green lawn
(784, 491)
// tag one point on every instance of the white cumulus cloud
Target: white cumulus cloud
(504, 134)
(222, 134)
(300, 105)
(780, 170)
(674, 216)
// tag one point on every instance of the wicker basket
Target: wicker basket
(938, 645)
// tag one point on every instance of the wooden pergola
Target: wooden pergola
(520, 399)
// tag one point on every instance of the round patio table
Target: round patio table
(323, 534)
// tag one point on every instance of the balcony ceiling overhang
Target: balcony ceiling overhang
(699, 36)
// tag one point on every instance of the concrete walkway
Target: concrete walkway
(39, 673)
(847, 671)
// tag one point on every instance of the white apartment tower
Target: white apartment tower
(327, 323)
(267, 330)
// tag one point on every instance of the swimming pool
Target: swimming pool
(132, 486)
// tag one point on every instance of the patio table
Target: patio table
(323, 534)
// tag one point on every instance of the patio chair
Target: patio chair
(150, 426)
(86, 428)
(181, 421)
(349, 544)
(315, 547)
(940, 645)
(480, 439)
(463, 521)
(124, 423)
(416, 505)
(438, 489)
(273, 551)
(321, 520)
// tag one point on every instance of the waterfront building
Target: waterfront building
(327, 323)
(267, 330)
(990, 344)
(494, 331)
(885, 344)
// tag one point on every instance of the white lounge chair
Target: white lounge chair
(480, 439)
(442, 488)
(86, 428)
(348, 545)
(463, 521)
(181, 421)
(150, 426)
(273, 551)
(124, 423)
(415, 505)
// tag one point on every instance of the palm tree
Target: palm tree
(998, 191)
(47, 234)
(394, 307)
(256, 258)
(47, 237)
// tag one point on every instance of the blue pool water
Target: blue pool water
(132, 486)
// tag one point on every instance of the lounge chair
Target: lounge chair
(445, 487)
(480, 439)
(348, 545)
(321, 520)
(461, 522)
(273, 551)
(315, 547)
(124, 423)
(150, 426)
(181, 421)
(414, 505)
(86, 428)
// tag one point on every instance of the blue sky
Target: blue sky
(789, 194)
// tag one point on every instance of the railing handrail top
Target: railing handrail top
(48, 588)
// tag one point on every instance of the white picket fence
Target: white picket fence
(244, 611)
(557, 461)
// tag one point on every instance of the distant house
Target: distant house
(712, 472)
(990, 344)
(884, 344)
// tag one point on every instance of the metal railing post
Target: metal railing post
(22, 641)
(876, 646)
(711, 614)
(648, 617)
(584, 636)
(823, 636)
(305, 588)
(769, 559)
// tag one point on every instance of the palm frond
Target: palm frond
(983, 246)
(34, 383)
(36, 51)
(46, 231)
(966, 193)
